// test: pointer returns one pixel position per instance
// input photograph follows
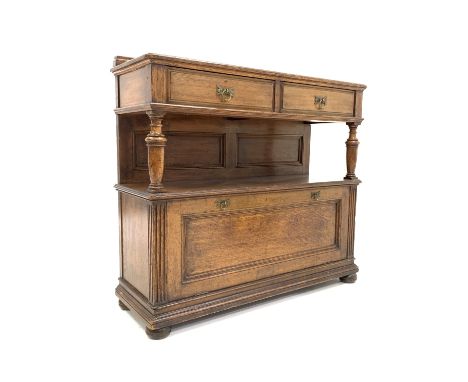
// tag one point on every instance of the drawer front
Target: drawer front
(219, 242)
(219, 90)
(306, 99)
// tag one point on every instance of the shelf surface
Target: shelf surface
(185, 189)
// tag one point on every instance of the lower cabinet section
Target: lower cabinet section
(183, 258)
(215, 243)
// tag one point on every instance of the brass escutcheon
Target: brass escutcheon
(315, 195)
(223, 203)
(225, 94)
(320, 102)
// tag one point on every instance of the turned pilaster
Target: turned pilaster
(156, 142)
(351, 150)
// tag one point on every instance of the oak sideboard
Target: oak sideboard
(216, 206)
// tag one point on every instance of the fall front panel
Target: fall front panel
(215, 243)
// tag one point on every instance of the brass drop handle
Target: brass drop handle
(315, 195)
(225, 94)
(223, 203)
(320, 102)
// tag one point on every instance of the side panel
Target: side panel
(134, 242)
(135, 87)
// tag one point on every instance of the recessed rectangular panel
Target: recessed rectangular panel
(224, 241)
(269, 150)
(140, 151)
(188, 150)
(184, 150)
(220, 243)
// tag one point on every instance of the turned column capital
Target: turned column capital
(156, 121)
(155, 115)
(353, 131)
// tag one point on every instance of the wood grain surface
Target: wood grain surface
(216, 206)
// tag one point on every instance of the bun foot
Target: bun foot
(158, 334)
(349, 279)
(123, 306)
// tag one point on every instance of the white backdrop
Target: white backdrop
(405, 318)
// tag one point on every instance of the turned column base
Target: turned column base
(158, 334)
(349, 279)
(155, 189)
(123, 306)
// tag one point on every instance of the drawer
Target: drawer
(219, 90)
(306, 99)
(219, 242)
